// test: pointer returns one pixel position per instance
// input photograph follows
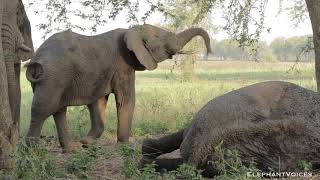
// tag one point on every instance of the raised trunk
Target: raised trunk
(6, 143)
(185, 36)
(314, 14)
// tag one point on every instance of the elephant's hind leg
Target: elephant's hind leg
(98, 117)
(64, 138)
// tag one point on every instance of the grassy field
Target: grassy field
(165, 101)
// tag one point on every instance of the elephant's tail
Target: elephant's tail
(152, 148)
(34, 72)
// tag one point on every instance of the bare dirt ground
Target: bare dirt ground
(105, 168)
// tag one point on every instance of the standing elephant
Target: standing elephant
(70, 69)
(17, 45)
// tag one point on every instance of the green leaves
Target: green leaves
(80, 163)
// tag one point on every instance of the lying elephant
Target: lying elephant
(270, 122)
(70, 69)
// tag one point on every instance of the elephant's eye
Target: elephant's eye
(169, 50)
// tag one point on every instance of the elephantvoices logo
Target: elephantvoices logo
(278, 174)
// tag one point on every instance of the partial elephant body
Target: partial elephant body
(16, 32)
(265, 122)
(83, 70)
(17, 46)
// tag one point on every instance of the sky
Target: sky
(280, 24)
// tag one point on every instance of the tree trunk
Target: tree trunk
(6, 134)
(314, 14)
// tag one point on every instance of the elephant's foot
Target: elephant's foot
(87, 140)
(125, 141)
(71, 147)
(92, 135)
(31, 141)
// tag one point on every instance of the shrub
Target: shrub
(34, 162)
(229, 164)
(81, 163)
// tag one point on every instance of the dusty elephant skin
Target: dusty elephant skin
(70, 69)
(17, 46)
(266, 121)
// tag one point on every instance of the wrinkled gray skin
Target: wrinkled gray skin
(264, 122)
(17, 46)
(70, 69)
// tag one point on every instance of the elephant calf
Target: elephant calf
(271, 122)
(70, 69)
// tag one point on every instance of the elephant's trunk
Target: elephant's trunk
(12, 88)
(152, 148)
(185, 36)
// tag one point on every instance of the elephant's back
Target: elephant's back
(94, 69)
(247, 107)
(83, 65)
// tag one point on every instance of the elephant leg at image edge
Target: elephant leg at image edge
(61, 125)
(17, 68)
(14, 93)
(98, 117)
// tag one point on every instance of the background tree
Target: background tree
(244, 18)
(293, 48)
(314, 14)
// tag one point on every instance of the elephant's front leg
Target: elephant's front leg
(98, 117)
(125, 99)
(64, 139)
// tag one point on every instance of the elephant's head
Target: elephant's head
(152, 45)
(16, 31)
(26, 50)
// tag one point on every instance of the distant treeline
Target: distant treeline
(281, 49)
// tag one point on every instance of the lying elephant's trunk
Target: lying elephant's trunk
(185, 36)
(152, 148)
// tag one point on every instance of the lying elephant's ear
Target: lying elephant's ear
(134, 41)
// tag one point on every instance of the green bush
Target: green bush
(80, 163)
(34, 162)
(229, 164)
(131, 157)
(305, 165)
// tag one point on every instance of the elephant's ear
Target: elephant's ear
(135, 42)
(25, 30)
